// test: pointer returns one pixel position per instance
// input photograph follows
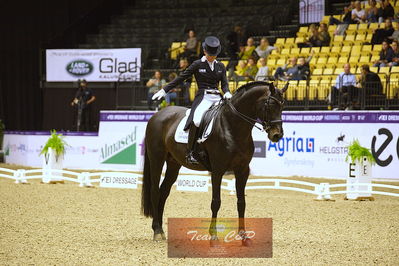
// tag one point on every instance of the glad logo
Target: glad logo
(79, 68)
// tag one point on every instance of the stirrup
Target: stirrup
(190, 158)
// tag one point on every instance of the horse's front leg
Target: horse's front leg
(241, 181)
(215, 206)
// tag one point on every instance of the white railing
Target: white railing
(322, 190)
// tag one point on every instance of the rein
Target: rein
(265, 122)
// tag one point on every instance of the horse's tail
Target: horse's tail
(146, 205)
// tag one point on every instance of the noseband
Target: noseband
(266, 122)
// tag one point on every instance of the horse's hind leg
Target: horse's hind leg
(215, 205)
(172, 171)
(157, 159)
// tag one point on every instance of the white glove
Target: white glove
(159, 95)
(227, 95)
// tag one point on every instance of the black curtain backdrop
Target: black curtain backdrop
(27, 28)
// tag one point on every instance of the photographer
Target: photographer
(83, 99)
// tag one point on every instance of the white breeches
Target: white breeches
(206, 102)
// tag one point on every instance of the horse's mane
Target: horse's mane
(250, 85)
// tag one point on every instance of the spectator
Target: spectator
(370, 83)
(191, 48)
(314, 40)
(185, 85)
(154, 85)
(395, 34)
(83, 100)
(344, 90)
(395, 56)
(358, 14)
(283, 73)
(263, 71)
(386, 11)
(239, 74)
(301, 71)
(372, 12)
(170, 97)
(264, 48)
(347, 18)
(248, 50)
(234, 40)
(386, 55)
(382, 34)
(324, 36)
(251, 70)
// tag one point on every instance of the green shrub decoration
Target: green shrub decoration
(356, 152)
(55, 142)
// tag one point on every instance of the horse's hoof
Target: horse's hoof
(163, 236)
(214, 242)
(246, 242)
(159, 237)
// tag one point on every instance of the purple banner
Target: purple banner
(47, 133)
(133, 116)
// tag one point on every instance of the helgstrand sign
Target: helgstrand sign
(98, 65)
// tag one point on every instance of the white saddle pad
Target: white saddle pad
(181, 136)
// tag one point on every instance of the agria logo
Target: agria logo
(79, 68)
(292, 144)
(122, 151)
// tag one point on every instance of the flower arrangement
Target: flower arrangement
(55, 142)
(356, 152)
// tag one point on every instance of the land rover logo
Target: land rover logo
(79, 68)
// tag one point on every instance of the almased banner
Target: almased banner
(94, 65)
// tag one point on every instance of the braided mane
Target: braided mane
(250, 85)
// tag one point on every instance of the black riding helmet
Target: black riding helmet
(212, 45)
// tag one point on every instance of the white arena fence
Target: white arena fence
(86, 179)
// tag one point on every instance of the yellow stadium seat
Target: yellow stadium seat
(353, 59)
(313, 86)
(321, 61)
(323, 89)
(301, 90)
(332, 60)
(377, 47)
(317, 71)
(225, 62)
(335, 50)
(362, 26)
(364, 59)
(299, 40)
(393, 89)
(395, 69)
(356, 50)
(271, 62)
(373, 26)
(381, 25)
(280, 41)
(304, 29)
(346, 50)
(295, 51)
(369, 36)
(290, 93)
(367, 48)
(360, 38)
(349, 39)
(281, 62)
(374, 69)
(343, 60)
(331, 29)
(384, 70)
(328, 71)
(374, 58)
(285, 51)
(305, 51)
(290, 40)
(325, 50)
(338, 39)
(352, 27)
(338, 70)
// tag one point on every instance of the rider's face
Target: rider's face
(210, 58)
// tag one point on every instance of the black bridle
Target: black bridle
(266, 122)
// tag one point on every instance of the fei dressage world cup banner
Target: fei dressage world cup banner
(94, 65)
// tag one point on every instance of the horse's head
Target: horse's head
(269, 109)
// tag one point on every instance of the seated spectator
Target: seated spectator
(395, 34)
(315, 39)
(347, 19)
(251, 70)
(386, 55)
(154, 85)
(263, 71)
(170, 97)
(381, 34)
(324, 36)
(386, 11)
(395, 57)
(264, 48)
(372, 12)
(282, 72)
(301, 71)
(344, 93)
(370, 83)
(238, 74)
(247, 51)
(358, 14)
(191, 48)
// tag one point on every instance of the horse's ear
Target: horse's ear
(285, 87)
(272, 88)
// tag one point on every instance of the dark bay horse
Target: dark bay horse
(229, 148)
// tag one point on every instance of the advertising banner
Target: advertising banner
(94, 65)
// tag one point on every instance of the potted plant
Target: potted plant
(360, 171)
(53, 152)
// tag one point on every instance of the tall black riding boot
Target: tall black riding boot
(192, 141)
